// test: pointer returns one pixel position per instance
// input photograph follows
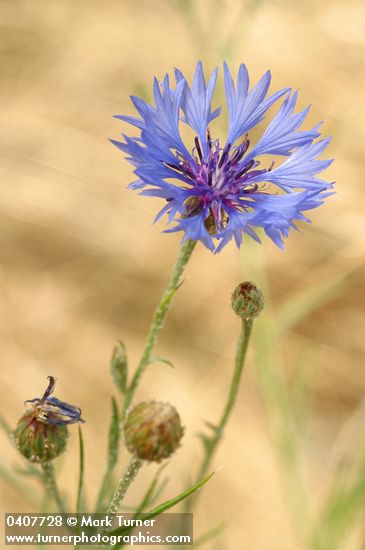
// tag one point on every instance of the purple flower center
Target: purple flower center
(220, 181)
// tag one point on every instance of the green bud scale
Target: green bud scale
(247, 300)
(153, 431)
(38, 441)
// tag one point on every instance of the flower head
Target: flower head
(247, 300)
(41, 433)
(153, 430)
(215, 192)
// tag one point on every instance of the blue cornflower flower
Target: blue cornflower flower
(215, 192)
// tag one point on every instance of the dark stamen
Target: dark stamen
(255, 173)
(209, 139)
(50, 388)
(198, 149)
(182, 168)
(245, 169)
(210, 176)
(174, 167)
(252, 189)
(224, 155)
(241, 150)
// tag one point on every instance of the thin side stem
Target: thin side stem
(18, 484)
(51, 485)
(156, 325)
(213, 442)
(124, 483)
(283, 427)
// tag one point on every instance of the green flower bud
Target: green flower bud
(41, 433)
(247, 300)
(38, 441)
(153, 431)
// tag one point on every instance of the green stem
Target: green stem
(124, 483)
(18, 484)
(282, 426)
(156, 325)
(212, 443)
(158, 319)
(51, 485)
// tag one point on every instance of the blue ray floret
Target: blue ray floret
(215, 193)
(52, 411)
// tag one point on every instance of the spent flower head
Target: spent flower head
(213, 191)
(41, 433)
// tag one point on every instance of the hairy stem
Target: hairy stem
(212, 442)
(124, 483)
(51, 485)
(156, 325)
(158, 319)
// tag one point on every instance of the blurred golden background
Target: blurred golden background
(82, 265)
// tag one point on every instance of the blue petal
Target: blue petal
(276, 213)
(298, 171)
(238, 224)
(194, 229)
(196, 102)
(60, 413)
(160, 124)
(281, 137)
(247, 108)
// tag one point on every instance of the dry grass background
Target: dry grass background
(81, 264)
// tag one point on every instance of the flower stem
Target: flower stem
(158, 319)
(124, 483)
(51, 485)
(156, 325)
(211, 443)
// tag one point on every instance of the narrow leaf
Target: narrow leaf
(170, 295)
(209, 535)
(153, 491)
(80, 492)
(159, 490)
(119, 366)
(212, 426)
(113, 435)
(207, 441)
(18, 485)
(113, 446)
(165, 505)
(5, 426)
(344, 505)
(308, 300)
(30, 471)
(161, 359)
